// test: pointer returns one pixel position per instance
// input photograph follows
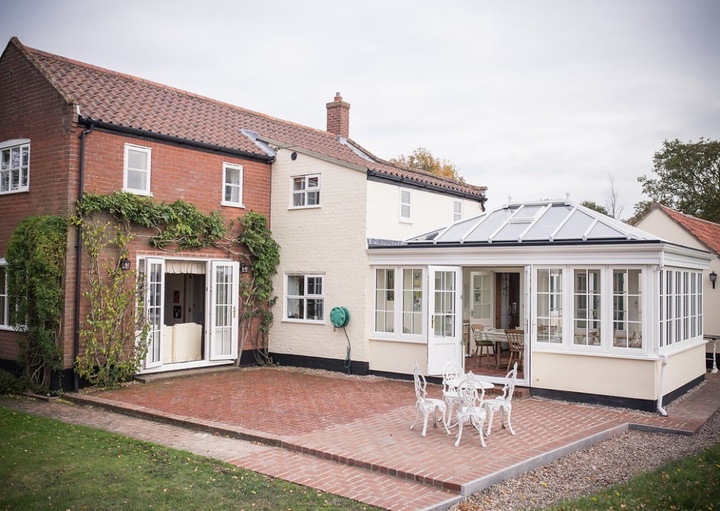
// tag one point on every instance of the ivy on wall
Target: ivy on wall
(36, 291)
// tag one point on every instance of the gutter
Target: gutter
(174, 140)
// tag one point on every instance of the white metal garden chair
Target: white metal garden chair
(452, 374)
(425, 405)
(471, 407)
(503, 402)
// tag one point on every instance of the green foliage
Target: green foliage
(9, 383)
(257, 293)
(46, 464)
(595, 207)
(36, 289)
(422, 159)
(113, 338)
(178, 224)
(688, 178)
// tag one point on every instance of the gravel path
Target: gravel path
(584, 472)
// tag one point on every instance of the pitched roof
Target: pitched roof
(706, 232)
(542, 222)
(131, 102)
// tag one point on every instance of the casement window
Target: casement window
(306, 191)
(587, 295)
(305, 300)
(549, 305)
(680, 306)
(137, 169)
(457, 210)
(405, 205)
(14, 166)
(627, 308)
(232, 185)
(4, 307)
(399, 302)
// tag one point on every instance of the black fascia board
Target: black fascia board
(505, 244)
(374, 175)
(151, 135)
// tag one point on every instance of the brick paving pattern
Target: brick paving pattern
(351, 436)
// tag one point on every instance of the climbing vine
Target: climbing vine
(114, 335)
(36, 288)
(256, 293)
(182, 226)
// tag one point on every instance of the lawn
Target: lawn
(46, 464)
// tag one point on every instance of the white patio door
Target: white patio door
(154, 307)
(444, 332)
(481, 299)
(223, 331)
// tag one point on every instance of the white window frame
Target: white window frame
(229, 187)
(303, 298)
(23, 171)
(679, 320)
(4, 299)
(127, 170)
(405, 204)
(303, 193)
(457, 210)
(567, 342)
(403, 294)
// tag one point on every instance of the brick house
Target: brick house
(68, 128)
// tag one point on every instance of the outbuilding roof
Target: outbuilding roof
(542, 222)
(706, 232)
(127, 101)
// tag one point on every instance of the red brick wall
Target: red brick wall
(31, 108)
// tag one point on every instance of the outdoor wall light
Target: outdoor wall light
(124, 264)
(713, 278)
(244, 268)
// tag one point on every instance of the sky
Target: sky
(534, 99)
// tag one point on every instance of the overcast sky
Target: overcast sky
(533, 99)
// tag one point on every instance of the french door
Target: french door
(154, 276)
(444, 332)
(223, 331)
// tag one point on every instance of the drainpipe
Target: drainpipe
(663, 362)
(78, 256)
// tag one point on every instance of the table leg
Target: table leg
(498, 346)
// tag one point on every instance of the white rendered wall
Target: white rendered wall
(429, 211)
(330, 240)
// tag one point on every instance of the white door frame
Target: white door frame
(444, 317)
(222, 324)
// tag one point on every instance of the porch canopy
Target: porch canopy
(603, 304)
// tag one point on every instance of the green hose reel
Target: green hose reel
(339, 316)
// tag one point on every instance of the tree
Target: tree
(595, 207)
(422, 159)
(613, 205)
(688, 178)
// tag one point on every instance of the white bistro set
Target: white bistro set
(464, 394)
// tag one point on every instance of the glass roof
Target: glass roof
(545, 221)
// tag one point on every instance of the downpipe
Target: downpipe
(663, 362)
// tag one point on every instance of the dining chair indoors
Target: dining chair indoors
(425, 405)
(471, 407)
(503, 402)
(481, 343)
(516, 340)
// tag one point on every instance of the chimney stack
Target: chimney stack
(338, 116)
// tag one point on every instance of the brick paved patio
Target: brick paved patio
(351, 436)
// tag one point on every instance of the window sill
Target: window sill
(291, 208)
(232, 205)
(138, 192)
(20, 190)
(304, 321)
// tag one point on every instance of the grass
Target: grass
(691, 483)
(51, 465)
